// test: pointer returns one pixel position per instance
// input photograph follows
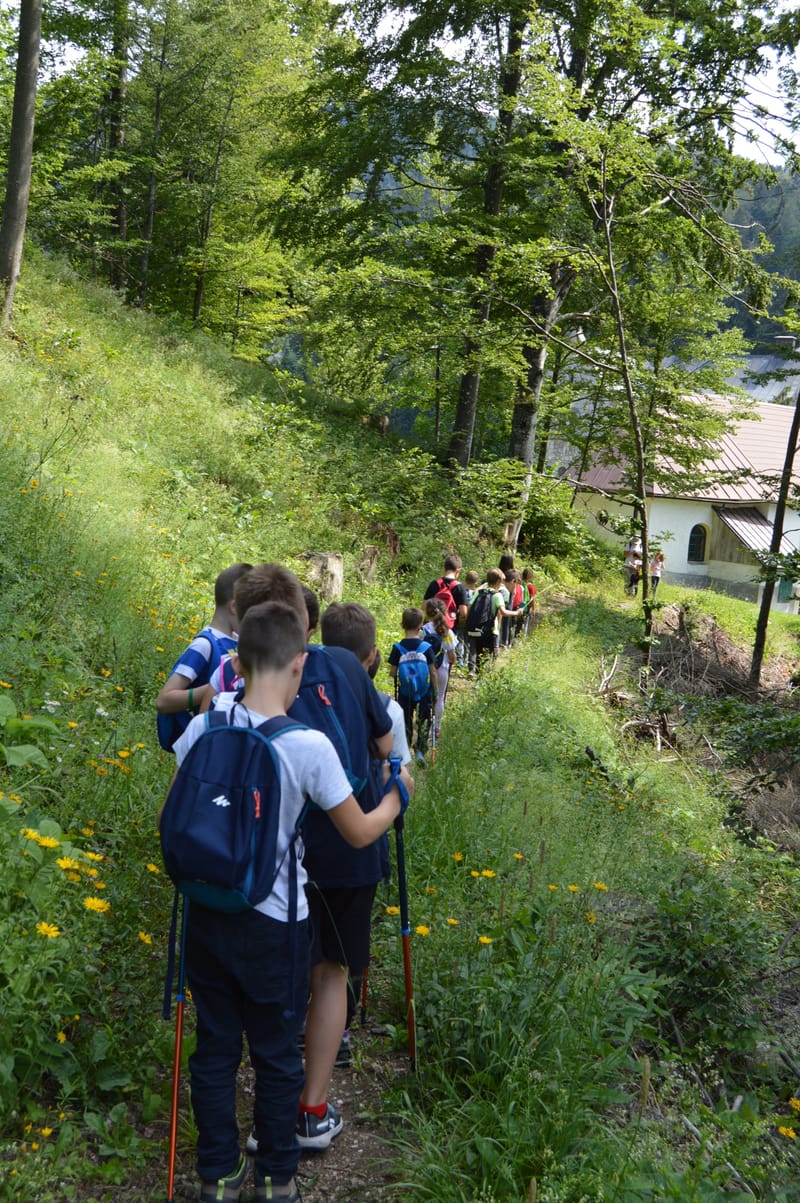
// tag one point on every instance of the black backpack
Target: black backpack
(480, 619)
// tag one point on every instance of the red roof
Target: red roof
(755, 447)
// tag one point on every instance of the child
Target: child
(182, 693)
(471, 582)
(328, 858)
(656, 569)
(485, 613)
(237, 965)
(412, 665)
(529, 601)
(341, 940)
(436, 628)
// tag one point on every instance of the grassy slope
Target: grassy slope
(557, 899)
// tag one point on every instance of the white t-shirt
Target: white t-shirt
(310, 767)
(399, 738)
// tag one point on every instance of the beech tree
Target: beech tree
(20, 152)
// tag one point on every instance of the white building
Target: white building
(709, 536)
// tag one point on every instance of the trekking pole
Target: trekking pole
(405, 932)
(176, 1061)
(364, 977)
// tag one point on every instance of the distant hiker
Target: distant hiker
(244, 969)
(632, 565)
(484, 616)
(516, 596)
(436, 626)
(656, 569)
(412, 664)
(345, 928)
(449, 589)
(529, 601)
(183, 692)
(471, 582)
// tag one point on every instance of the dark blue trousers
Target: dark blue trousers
(237, 968)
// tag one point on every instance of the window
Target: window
(697, 545)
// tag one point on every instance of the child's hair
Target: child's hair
(471, 580)
(412, 619)
(375, 665)
(513, 575)
(494, 577)
(435, 612)
(271, 634)
(347, 624)
(506, 562)
(224, 584)
(452, 563)
(312, 607)
(269, 582)
(527, 574)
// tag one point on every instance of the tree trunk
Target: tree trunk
(774, 547)
(20, 152)
(510, 81)
(116, 134)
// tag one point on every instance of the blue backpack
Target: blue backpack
(325, 702)
(221, 821)
(170, 727)
(413, 672)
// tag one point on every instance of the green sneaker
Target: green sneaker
(225, 1190)
(267, 1191)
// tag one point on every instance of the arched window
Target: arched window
(697, 545)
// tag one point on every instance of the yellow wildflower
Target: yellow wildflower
(143, 936)
(488, 873)
(518, 856)
(422, 930)
(97, 904)
(474, 873)
(789, 1133)
(599, 885)
(67, 862)
(457, 856)
(94, 856)
(48, 841)
(5, 685)
(49, 930)
(794, 1104)
(72, 725)
(151, 868)
(431, 890)
(393, 910)
(552, 887)
(573, 889)
(591, 917)
(453, 922)
(484, 939)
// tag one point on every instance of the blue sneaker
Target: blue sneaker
(314, 1132)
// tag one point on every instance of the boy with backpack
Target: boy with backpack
(412, 665)
(245, 969)
(336, 697)
(449, 590)
(485, 612)
(182, 694)
(343, 942)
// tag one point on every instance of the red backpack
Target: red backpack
(445, 594)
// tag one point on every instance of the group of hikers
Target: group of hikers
(459, 624)
(632, 565)
(264, 722)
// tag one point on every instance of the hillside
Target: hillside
(605, 962)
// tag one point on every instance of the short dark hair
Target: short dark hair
(270, 636)
(412, 619)
(452, 563)
(494, 577)
(269, 582)
(225, 582)
(347, 624)
(506, 562)
(312, 607)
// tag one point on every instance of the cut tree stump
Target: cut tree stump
(326, 574)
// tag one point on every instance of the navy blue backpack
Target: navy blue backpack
(221, 821)
(170, 727)
(326, 702)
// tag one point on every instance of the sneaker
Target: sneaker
(225, 1189)
(314, 1132)
(266, 1190)
(251, 1144)
(344, 1057)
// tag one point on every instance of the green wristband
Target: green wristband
(191, 694)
